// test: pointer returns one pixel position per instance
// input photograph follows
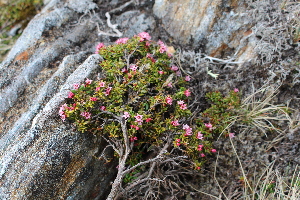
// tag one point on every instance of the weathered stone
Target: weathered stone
(214, 27)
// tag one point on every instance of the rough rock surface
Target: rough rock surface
(43, 158)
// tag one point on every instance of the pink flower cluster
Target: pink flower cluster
(62, 113)
(139, 119)
(134, 126)
(174, 68)
(126, 115)
(132, 139)
(178, 142)
(175, 123)
(98, 47)
(107, 91)
(187, 93)
(122, 41)
(133, 67)
(144, 36)
(71, 95)
(162, 46)
(76, 86)
(182, 105)
(199, 136)
(188, 130)
(169, 100)
(93, 99)
(209, 126)
(88, 81)
(87, 115)
(200, 146)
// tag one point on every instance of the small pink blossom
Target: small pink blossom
(107, 91)
(148, 44)
(188, 130)
(183, 107)
(93, 99)
(134, 126)
(88, 81)
(71, 95)
(76, 86)
(98, 47)
(185, 126)
(163, 47)
(103, 108)
(169, 100)
(102, 84)
(175, 123)
(124, 70)
(144, 36)
(208, 125)
(198, 168)
(180, 102)
(236, 90)
(178, 73)
(133, 67)
(170, 84)
(62, 113)
(202, 155)
(200, 147)
(187, 78)
(187, 93)
(213, 150)
(174, 68)
(160, 72)
(148, 119)
(178, 142)
(132, 139)
(199, 136)
(126, 115)
(122, 41)
(139, 119)
(97, 89)
(87, 115)
(231, 135)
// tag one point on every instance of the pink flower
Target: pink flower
(122, 40)
(180, 102)
(208, 125)
(87, 115)
(71, 95)
(187, 78)
(124, 70)
(163, 49)
(132, 139)
(236, 90)
(188, 130)
(97, 89)
(139, 119)
(102, 84)
(200, 147)
(93, 99)
(175, 123)
(183, 107)
(126, 115)
(144, 36)
(170, 84)
(136, 127)
(88, 81)
(202, 155)
(174, 68)
(133, 67)
(231, 135)
(148, 119)
(62, 113)
(178, 142)
(187, 93)
(169, 100)
(178, 73)
(107, 91)
(213, 150)
(198, 168)
(103, 108)
(98, 47)
(199, 136)
(76, 86)
(160, 72)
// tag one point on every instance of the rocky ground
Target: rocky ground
(250, 44)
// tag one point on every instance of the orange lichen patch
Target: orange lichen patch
(70, 175)
(248, 32)
(22, 56)
(218, 52)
